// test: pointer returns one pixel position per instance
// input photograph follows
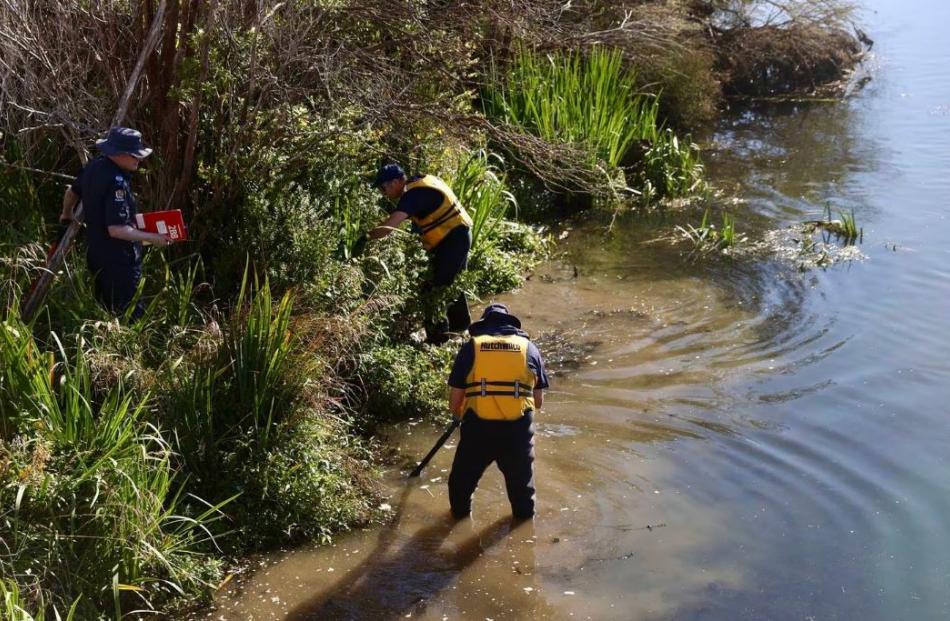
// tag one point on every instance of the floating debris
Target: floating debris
(796, 244)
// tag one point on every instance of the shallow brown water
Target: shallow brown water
(733, 439)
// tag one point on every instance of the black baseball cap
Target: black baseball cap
(388, 172)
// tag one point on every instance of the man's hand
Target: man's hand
(456, 399)
(388, 225)
(161, 240)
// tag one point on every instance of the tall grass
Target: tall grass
(239, 394)
(91, 500)
(14, 607)
(479, 184)
(591, 101)
(258, 349)
(585, 100)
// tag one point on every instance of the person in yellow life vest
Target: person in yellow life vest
(445, 229)
(496, 387)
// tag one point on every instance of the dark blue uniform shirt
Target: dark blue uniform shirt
(419, 202)
(465, 358)
(107, 200)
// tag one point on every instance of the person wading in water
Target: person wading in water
(496, 388)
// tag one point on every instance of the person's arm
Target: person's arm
(70, 200)
(464, 360)
(536, 364)
(456, 399)
(129, 233)
(389, 225)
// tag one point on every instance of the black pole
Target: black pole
(445, 436)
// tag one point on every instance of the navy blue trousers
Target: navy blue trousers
(115, 285)
(510, 444)
(449, 259)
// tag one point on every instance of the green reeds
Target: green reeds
(91, 498)
(706, 238)
(480, 187)
(670, 168)
(849, 227)
(13, 606)
(258, 347)
(591, 101)
(845, 227)
(584, 100)
(240, 393)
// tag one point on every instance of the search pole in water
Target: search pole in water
(438, 444)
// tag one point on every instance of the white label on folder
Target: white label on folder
(160, 225)
(140, 221)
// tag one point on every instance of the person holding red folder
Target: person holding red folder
(113, 243)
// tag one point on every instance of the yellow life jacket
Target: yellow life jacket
(500, 385)
(444, 218)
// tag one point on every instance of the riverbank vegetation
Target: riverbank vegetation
(137, 457)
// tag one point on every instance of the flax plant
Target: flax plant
(584, 100)
(259, 348)
(96, 496)
(480, 187)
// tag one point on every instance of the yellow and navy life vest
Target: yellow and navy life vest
(500, 385)
(436, 225)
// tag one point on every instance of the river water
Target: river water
(725, 439)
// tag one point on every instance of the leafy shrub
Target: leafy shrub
(303, 486)
(404, 381)
(87, 492)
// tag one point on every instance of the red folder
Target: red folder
(163, 222)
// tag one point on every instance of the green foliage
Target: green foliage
(591, 102)
(404, 381)
(670, 168)
(87, 489)
(502, 264)
(705, 238)
(235, 395)
(13, 607)
(303, 487)
(852, 232)
(588, 101)
(479, 184)
(845, 227)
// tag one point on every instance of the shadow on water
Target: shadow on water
(402, 575)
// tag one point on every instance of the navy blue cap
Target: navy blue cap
(123, 140)
(499, 314)
(388, 172)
